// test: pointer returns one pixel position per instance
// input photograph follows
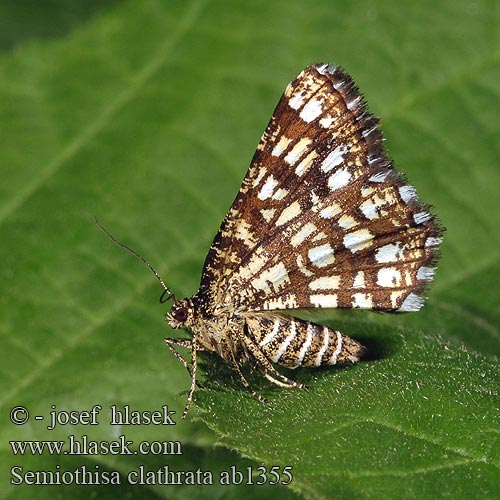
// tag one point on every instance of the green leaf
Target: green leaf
(428, 414)
(31, 19)
(147, 114)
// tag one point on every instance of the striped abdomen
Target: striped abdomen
(292, 342)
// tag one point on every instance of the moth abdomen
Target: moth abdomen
(292, 343)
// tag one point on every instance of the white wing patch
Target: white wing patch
(358, 240)
(339, 179)
(334, 159)
(267, 188)
(277, 276)
(325, 283)
(389, 253)
(321, 256)
(311, 110)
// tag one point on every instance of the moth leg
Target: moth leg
(181, 343)
(278, 382)
(244, 381)
(266, 366)
(263, 363)
(194, 364)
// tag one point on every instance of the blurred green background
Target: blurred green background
(147, 115)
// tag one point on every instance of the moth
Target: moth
(322, 220)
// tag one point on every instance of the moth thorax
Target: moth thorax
(181, 314)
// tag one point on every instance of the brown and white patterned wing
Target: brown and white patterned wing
(322, 219)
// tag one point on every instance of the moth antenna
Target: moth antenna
(166, 296)
(138, 256)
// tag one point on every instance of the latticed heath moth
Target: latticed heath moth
(322, 220)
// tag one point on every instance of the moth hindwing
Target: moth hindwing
(322, 220)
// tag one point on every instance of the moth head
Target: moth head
(181, 314)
